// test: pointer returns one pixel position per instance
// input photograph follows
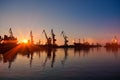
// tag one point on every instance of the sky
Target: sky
(92, 20)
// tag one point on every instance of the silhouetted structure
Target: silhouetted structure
(7, 42)
(9, 39)
(31, 36)
(11, 34)
(65, 38)
(113, 44)
(53, 38)
(48, 39)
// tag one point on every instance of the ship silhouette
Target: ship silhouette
(8, 42)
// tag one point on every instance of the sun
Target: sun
(25, 41)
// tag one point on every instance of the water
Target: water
(61, 64)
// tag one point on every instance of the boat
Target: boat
(7, 42)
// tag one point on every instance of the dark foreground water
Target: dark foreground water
(61, 64)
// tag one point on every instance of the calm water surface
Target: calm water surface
(61, 64)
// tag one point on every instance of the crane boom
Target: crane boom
(48, 39)
(65, 38)
(45, 34)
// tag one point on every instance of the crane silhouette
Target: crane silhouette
(31, 35)
(53, 37)
(48, 39)
(65, 38)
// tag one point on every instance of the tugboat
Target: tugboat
(8, 42)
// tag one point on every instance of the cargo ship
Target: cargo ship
(7, 42)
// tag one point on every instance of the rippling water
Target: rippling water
(61, 64)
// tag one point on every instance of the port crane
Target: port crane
(48, 39)
(53, 37)
(65, 38)
(11, 33)
(31, 36)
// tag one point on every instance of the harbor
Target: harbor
(9, 42)
(59, 40)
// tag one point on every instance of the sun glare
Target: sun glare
(25, 41)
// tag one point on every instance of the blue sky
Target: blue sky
(97, 20)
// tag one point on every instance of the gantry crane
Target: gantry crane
(65, 38)
(48, 39)
(53, 37)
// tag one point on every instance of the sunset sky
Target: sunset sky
(93, 20)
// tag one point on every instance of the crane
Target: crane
(65, 38)
(31, 35)
(48, 39)
(53, 37)
(11, 33)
